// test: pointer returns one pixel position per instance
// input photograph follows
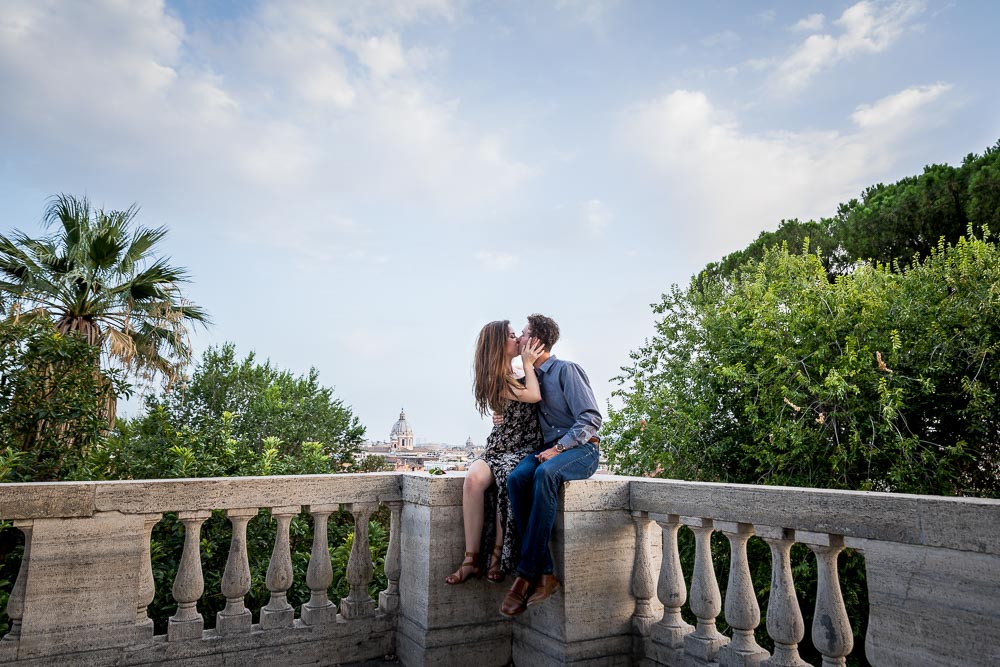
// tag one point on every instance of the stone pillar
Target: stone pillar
(15, 603)
(589, 621)
(81, 584)
(189, 584)
(671, 589)
(147, 586)
(642, 576)
(438, 624)
(358, 604)
(388, 600)
(742, 610)
(278, 613)
(784, 618)
(831, 631)
(319, 610)
(706, 599)
(235, 619)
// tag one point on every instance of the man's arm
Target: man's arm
(582, 405)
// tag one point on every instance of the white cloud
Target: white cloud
(734, 183)
(811, 23)
(893, 111)
(865, 28)
(497, 261)
(290, 100)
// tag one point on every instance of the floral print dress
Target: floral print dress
(507, 444)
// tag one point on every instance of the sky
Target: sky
(360, 186)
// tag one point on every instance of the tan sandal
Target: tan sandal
(494, 574)
(466, 570)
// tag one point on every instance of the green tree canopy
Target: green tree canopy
(880, 380)
(98, 275)
(237, 417)
(52, 402)
(889, 224)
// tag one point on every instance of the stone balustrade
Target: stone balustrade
(86, 580)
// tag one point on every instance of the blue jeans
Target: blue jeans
(533, 488)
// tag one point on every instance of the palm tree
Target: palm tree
(98, 276)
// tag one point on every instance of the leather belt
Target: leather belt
(595, 440)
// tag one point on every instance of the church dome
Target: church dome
(401, 427)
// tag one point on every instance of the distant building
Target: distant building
(469, 445)
(401, 436)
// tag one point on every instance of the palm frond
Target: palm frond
(143, 240)
(72, 213)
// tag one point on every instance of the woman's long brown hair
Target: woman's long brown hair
(494, 379)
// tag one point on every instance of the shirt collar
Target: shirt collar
(547, 365)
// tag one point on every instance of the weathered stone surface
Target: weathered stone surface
(51, 500)
(534, 648)
(143, 496)
(600, 492)
(933, 573)
(339, 644)
(909, 519)
(439, 491)
(932, 607)
(441, 624)
(83, 584)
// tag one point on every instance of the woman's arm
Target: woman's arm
(531, 392)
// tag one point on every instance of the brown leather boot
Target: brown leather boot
(547, 585)
(515, 602)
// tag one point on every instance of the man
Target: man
(570, 419)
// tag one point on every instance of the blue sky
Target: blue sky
(359, 187)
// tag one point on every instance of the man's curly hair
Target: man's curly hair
(544, 329)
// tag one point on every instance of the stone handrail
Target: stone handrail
(931, 562)
(86, 576)
(933, 572)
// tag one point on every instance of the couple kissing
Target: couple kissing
(544, 433)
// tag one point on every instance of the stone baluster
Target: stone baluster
(15, 603)
(706, 600)
(319, 610)
(278, 613)
(388, 600)
(236, 619)
(642, 576)
(358, 604)
(671, 588)
(147, 586)
(187, 623)
(784, 618)
(742, 610)
(831, 631)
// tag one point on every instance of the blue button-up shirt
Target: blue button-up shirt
(568, 412)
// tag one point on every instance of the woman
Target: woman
(485, 490)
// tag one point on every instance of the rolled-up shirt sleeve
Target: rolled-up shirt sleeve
(582, 406)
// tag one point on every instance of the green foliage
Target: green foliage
(241, 418)
(235, 418)
(795, 235)
(881, 380)
(53, 400)
(890, 224)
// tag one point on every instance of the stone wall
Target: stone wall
(933, 575)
